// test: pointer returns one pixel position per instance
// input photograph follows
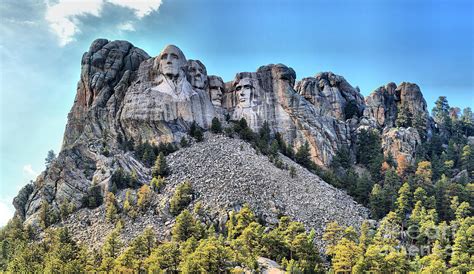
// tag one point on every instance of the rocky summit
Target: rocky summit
(125, 97)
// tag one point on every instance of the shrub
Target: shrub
(181, 198)
(216, 126)
(157, 184)
(160, 168)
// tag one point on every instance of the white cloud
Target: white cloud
(28, 171)
(62, 15)
(6, 211)
(126, 26)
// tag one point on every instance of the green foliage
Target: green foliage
(369, 151)
(182, 196)
(292, 172)
(216, 126)
(211, 256)
(239, 221)
(111, 207)
(195, 131)
(351, 110)
(303, 157)
(147, 152)
(342, 159)
(158, 184)
(121, 179)
(161, 167)
(440, 111)
(184, 142)
(144, 197)
(93, 198)
(404, 117)
(50, 157)
(165, 257)
(186, 226)
(129, 207)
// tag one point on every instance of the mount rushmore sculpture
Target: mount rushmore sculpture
(126, 96)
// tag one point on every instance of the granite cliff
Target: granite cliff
(124, 97)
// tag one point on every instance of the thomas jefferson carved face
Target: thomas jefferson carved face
(244, 90)
(171, 60)
(198, 74)
(216, 89)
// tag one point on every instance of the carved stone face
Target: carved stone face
(244, 90)
(216, 90)
(198, 75)
(171, 61)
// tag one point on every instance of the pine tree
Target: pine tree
(211, 256)
(303, 156)
(157, 184)
(434, 262)
(129, 205)
(467, 159)
(332, 234)
(44, 214)
(161, 167)
(461, 258)
(111, 207)
(185, 227)
(346, 254)
(165, 257)
(377, 202)
(403, 201)
(111, 250)
(404, 117)
(50, 158)
(184, 142)
(216, 126)
(440, 111)
(239, 221)
(181, 198)
(193, 128)
(143, 197)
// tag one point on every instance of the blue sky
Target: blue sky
(369, 42)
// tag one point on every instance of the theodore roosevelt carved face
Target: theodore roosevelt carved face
(216, 90)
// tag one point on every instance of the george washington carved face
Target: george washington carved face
(171, 61)
(245, 90)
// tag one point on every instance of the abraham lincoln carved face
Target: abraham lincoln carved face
(245, 90)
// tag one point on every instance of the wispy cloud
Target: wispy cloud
(126, 26)
(29, 172)
(63, 15)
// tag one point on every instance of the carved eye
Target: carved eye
(174, 56)
(164, 56)
(238, 88)
(247, 86)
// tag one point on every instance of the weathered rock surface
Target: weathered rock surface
(331, 94)
(381, 112)
(227, 173)
(124, 96)
(268, 95)
(402, 143)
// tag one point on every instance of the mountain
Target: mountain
(286, 147)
